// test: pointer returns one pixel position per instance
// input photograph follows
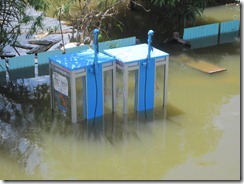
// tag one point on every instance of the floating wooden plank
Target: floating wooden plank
(40, 36)
(40, 42)
(200, 64)
(28, 47)
(63, 31)
(7, 55)
(205, 66)
(42, 48)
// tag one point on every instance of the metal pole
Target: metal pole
(7, 70)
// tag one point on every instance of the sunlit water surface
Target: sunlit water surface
(198, 139)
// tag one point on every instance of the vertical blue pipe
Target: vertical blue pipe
(94, 87)
(149, 41)
(95, 45)
(145, 100)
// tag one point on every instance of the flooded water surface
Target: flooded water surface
(197, 139)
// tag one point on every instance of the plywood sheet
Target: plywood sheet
(205, 66)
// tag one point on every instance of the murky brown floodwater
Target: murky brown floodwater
(198, 140)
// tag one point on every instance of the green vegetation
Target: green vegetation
(13, 15)
(184, 12)
(85, 15)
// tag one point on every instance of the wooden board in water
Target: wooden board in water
(205, 66)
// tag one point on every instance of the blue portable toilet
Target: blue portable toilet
(76, 81)
(142, 59)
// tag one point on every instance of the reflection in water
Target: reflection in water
(122, 147)
(214, 40)
(229, 37)
(204, 42)
(188, 136)
(127, 147)
(211, 164)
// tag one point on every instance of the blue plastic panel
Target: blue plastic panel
(43, 56)
(117, 43)
(77, 49)
(94, 89)
(2, 67)
(201, 31)
(21, 62)
(74, 61)
(134, 53)
(230, 26)
(146, 86)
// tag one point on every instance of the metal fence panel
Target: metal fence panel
(117, 43)
(28, 60)
(43, 56)
(201, 31)
(77, 49)
(21, 62)
(229, 26)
